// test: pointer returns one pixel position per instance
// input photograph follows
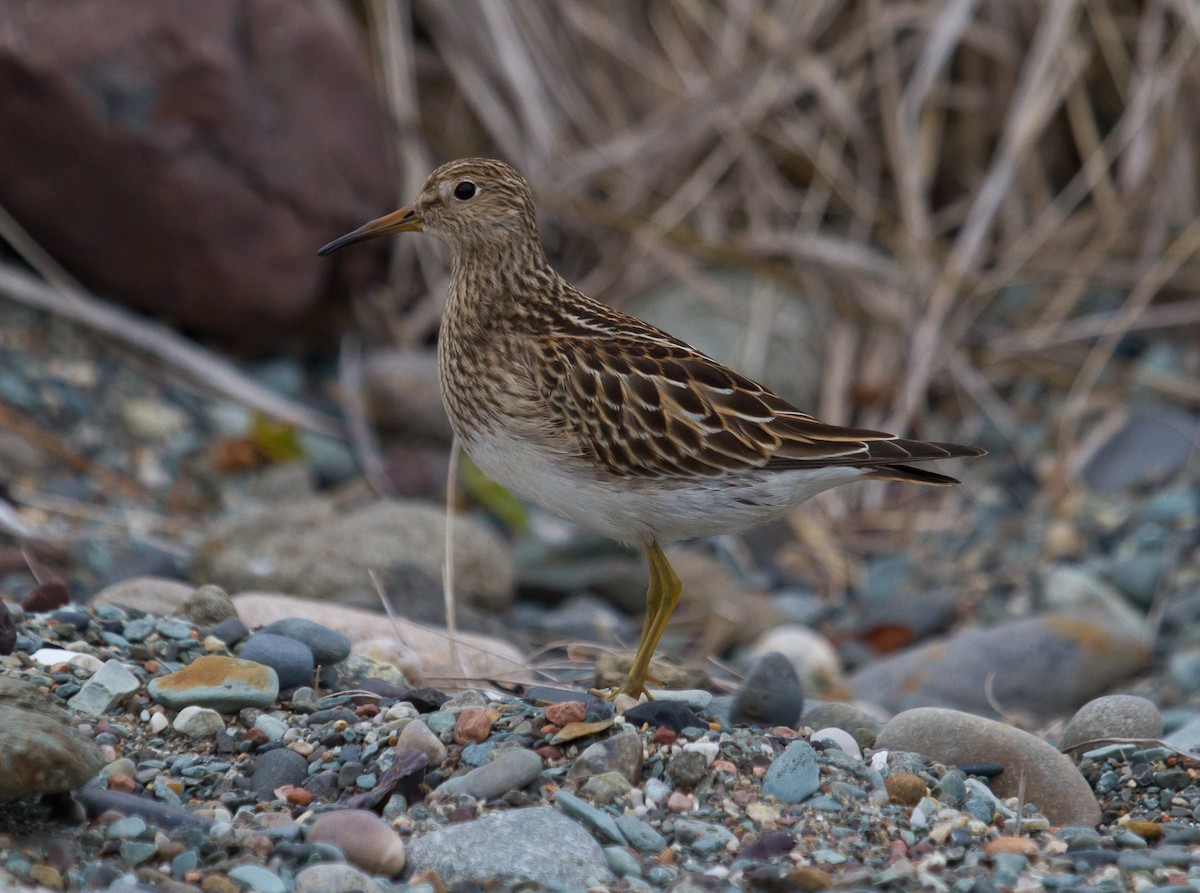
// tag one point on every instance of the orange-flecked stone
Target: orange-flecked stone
(905, 788)
(724, 766)
(222, 683)
(1021, 845)
(299, 797)
(473, 726)
(1145, 830)
(566, 712)
(118, 781)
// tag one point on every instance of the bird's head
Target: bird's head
(469, 204)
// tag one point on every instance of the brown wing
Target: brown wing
(649, 406)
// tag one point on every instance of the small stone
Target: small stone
(366, 840)
(41, 752)
(417, 736)
(472, 726)
(1113, 716)
(688, 768)
(597, 819)
(47, 876)
(510, 770)
(273, 728)
(106, 687)
(230, 631)
(258, 879)
(607, 788)
(226, 684)
(209, 605)
(159, 723)
(1022, 846)
(621, 753)
(47, 596)
(328, 646)
(673, 715)
(641, 835)
(840, 738)
(566, 712)
(198, 722)
(276, 769)
(291, 660)
(904, 788)
(334, 877)
(794, 775)
(680, 802)
(770, 695)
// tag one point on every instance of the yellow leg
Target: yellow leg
(661, 598)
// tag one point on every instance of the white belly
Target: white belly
(641, 510)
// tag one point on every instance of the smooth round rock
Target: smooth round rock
(538, 843)
(770, 695)
(41, 751)
(1113, 716)
(222, 683)
(291, 660)
(198, 722)
(417, 736)
(511, 770)
(328, 646)
(1052, 781)
(365, 839)
(1050, 665)
(209, 605)
(276, 769)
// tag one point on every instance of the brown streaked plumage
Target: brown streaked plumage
(602, 418)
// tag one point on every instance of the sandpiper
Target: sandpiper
(604, 419)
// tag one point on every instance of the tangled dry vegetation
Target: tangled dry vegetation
(969, 194)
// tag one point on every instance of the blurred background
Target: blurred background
(972, 221)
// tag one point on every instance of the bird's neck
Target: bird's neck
(490, 283)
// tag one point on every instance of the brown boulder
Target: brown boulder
(188, 159)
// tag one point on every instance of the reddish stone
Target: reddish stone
(299, 797)
(366, 710)
(473, 726)
(549, 752)
(566, 712)
(118, 781)
(46, 596)
(189, 158)
(664, 735)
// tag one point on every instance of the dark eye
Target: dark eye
(465, 190)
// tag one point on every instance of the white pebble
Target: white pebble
(198, 722)
(843, 739)
(158, 723)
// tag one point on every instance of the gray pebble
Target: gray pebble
(770, 695)
(511, 770)
(292, 661)
(794, 775)
(274, 769)
(328, 646)
(1113, 716)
